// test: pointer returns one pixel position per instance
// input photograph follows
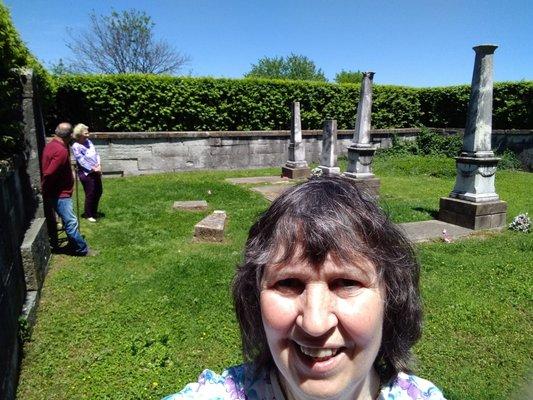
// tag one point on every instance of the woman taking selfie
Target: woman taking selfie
(327, 302)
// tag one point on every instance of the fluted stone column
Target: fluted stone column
(361, 151)
(328, 157)
(473, 202)
(296, 166)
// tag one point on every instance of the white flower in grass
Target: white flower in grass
(521, 223)
(316, 172)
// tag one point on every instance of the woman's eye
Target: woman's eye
(341, 284)
(290, 285)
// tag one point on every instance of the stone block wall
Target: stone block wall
(24, 256)
(12, 285)
(140, 153)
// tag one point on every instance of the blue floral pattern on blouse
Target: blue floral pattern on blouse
(239, 383)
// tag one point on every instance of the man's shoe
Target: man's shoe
(91, 219)
(91, 253)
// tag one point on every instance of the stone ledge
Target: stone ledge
(211, 228)
(191, 205)
(29, 309)
(35, 253)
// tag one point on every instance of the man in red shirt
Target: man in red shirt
(57, 184)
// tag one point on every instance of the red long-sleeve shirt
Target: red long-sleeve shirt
(57, 178)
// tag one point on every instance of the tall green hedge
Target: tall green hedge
(447, 106)
(14, 54)
(154, 103)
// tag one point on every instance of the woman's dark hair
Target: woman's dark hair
(331, 216)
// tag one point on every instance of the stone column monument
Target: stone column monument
(296, 166)
(361, 151)
(328, 157)
(473, 202)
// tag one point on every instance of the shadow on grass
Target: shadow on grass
(433, 213)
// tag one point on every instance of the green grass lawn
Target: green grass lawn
(153, 309)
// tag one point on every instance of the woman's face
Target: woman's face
(83, 137)
(324, 327)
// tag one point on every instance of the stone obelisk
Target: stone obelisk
(473, 202)
(361, 151)
(296, 166)
(328, 157)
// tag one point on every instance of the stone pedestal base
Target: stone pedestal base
(368, 185)
(330, 170)
(295, 172)
(360, 158)
(485, 215)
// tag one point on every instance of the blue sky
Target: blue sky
(414, 43)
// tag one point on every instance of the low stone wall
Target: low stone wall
(24, 255)
(138, 153)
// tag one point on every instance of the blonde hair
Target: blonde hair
(79, 130)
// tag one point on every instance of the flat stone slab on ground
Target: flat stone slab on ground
(424, 231)
(271, 192)
(256, 180)
(211, 228)
(194, 205)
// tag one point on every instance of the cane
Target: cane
(77, 197)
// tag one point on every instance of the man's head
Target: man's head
(64, 131)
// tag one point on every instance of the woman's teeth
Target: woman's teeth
(319, 353)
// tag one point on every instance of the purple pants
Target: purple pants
(92, 186)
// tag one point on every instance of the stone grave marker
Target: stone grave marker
(190, 205)
(328, 157)
(296, 166)
(473, 202)
(361, 151)
(211, 228)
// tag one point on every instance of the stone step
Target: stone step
(211, 228)
(424, 231)
(192, 205)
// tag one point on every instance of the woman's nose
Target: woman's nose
(316, 314)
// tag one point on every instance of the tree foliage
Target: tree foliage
(60, 68)
(15, 55)
(293, 67)
(122, 43)
(349, 77)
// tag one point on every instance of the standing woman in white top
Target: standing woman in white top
(89, 170)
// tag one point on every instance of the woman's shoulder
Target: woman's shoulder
(210, 385)
(410, 387)
(77, 147)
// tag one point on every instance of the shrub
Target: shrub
(14, 54)
(427, 143)
(432, 143)
(509, 161)
(158, 103)
(447, 106)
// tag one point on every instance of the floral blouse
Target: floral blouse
(238, 383)
(86, 156)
